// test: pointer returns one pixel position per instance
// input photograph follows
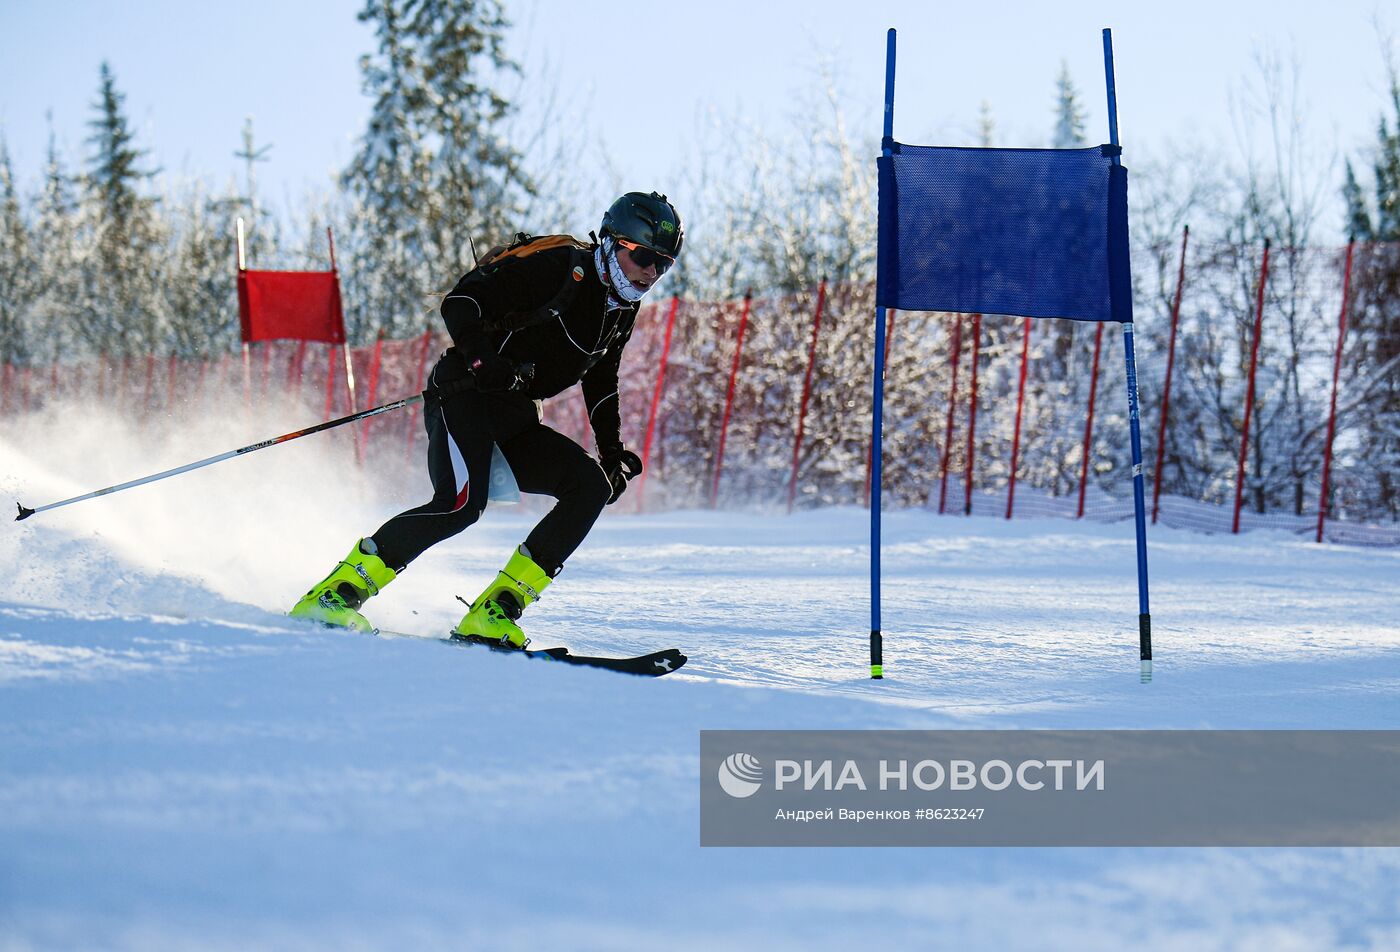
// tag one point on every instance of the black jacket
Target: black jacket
(573, 335)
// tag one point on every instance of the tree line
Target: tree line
(112, 258)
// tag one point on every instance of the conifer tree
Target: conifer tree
(986, 126)
(1069, 114)
(1358, 215)
(119, 284)
(16, 277)
(198, 289)
(478, 185)
(1373, 336)
(433, 170)
(57, 253)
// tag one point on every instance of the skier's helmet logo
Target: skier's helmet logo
(741, 775)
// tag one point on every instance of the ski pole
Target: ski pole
(25, 513)
(524, 373)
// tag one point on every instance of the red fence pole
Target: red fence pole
(870, 447)
(330, 379)
(656, 401)
(294, 373)
(1336, 375)
(203, 377)
(806, 393)
(1089, 423)
(170, 372)
(1167, 384)
(5, 388)
(150, 383)
(423, 349)
(972, 415)
(1020, 404)
(1249, 391)
(954, 359)
(729, 396)
(374, 376)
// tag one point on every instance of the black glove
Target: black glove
(619, 465)
(494, 372)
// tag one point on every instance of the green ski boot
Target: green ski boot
(494, 614)
(335, 600)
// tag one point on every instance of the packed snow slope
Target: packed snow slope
(183, 767)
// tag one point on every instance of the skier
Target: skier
(527, 323)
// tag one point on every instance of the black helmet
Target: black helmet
(649, 220)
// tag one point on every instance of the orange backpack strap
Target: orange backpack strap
(523, 245)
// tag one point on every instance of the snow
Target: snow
(183, 767)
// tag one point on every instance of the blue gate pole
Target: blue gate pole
(877, 648)
(1134, 425)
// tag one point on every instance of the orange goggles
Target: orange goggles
(644, 257)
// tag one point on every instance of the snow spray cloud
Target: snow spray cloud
(245, 530)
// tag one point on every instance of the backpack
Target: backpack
(523, 246)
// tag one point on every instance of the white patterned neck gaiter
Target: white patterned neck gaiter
(610, 272)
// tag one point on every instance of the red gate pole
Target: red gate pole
(729, 396)
(1336, 374)
(345, 352)
(870, 447)
(350, 397)
(1167, 384)
(1249, 391)
(1089, 423)
(806, 393)
(656, 401)
(972, 415)
(1020, 404)
(955, 359)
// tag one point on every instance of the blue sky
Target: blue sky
(635, 79)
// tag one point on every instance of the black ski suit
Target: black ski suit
(572, 334)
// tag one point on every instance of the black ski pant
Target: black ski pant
(461, 431)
